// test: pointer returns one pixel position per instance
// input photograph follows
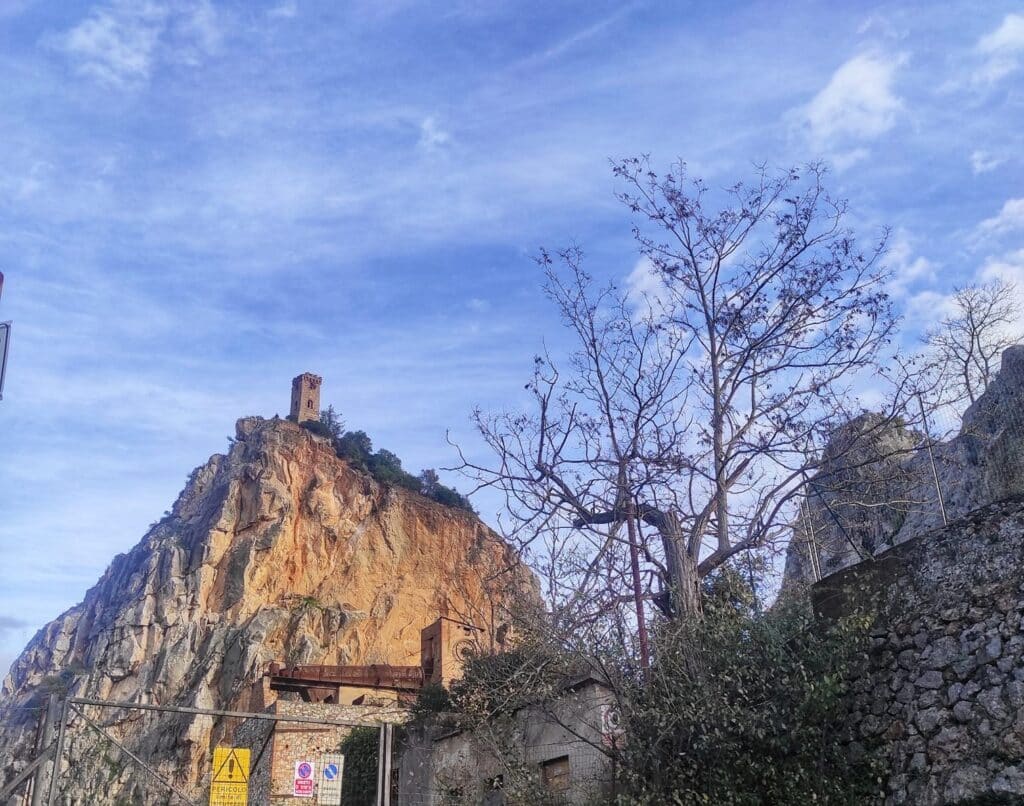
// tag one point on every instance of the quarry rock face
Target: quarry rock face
(278, 550)
(885, 491)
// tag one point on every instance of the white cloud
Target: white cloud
(925, 308)
(119, 44)
(1009, 267)
(907, 269)
(1009, 218)
(983, 161)
(287, 10)
(1001, 50)
(858, 103)
(642, 281)
(432, 136)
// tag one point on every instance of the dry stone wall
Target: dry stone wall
(942, 699)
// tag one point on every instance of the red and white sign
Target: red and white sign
(304, 777)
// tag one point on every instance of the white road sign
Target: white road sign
(332, 767)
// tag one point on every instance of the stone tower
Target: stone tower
(306, 397)
(445, 646)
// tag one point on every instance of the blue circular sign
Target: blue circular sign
(331, 772)
(304, 770)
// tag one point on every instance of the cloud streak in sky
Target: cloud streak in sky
(119, 43)
(857, 105)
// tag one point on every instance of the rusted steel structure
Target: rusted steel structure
(324, 683)
(444, 646)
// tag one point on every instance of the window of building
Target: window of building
(555, 774)
(309, 404)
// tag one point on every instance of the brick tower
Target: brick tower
(306, 397)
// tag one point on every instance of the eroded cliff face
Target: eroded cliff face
(886, 492)
(276, 551)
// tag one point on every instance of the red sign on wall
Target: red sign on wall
(303, 779)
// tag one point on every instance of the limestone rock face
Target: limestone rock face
(278, 550)
(885, 493)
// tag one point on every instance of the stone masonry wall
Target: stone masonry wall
(942, 700)
(276, 747)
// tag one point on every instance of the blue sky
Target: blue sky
(201, 199)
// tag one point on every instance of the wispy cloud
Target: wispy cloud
(119, 44)
(228, 193)
(1001, 50)
(908, 267)
(983, 161)
(286, 10)
(1006, 267)
(432, 136)
(1009, 219)
(858, 104)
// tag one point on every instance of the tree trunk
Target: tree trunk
(684, 577)
(638, 594)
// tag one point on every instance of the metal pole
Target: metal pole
(380, 768)
(12, 786)
(46, 738)
(135, 758)
(931, 459)
(812, 540)
(389, 738)
(181, 709)
(59, 752)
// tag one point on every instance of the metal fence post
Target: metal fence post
(39, 780)
(59, 751)
(931, 459)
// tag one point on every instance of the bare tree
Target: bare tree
(691, 420)
(964, 349)
(582, 468)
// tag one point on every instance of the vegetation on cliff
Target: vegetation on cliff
(356, 448)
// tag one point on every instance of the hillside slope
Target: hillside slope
(277, 550)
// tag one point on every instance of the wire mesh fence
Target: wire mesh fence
(129, 757)
(905, 480)
(128, 754)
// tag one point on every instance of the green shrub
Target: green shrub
(745, 708)
(359, 781)
(318, 428)
(356, 448)
(432, 699)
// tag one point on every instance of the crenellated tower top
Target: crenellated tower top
(306, 397)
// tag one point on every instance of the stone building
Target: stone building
(551, 750)
(306, 397)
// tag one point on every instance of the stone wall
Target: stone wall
(942, 699)
(276, 746)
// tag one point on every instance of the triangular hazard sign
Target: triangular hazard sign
(231, 765)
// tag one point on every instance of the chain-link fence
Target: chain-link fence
(140, 754)
(116, 753)
(905, 479)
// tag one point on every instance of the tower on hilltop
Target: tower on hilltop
(306, 397)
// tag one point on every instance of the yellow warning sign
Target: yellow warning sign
(230, 785)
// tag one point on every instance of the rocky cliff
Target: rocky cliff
(277, 550)
(885, 491)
